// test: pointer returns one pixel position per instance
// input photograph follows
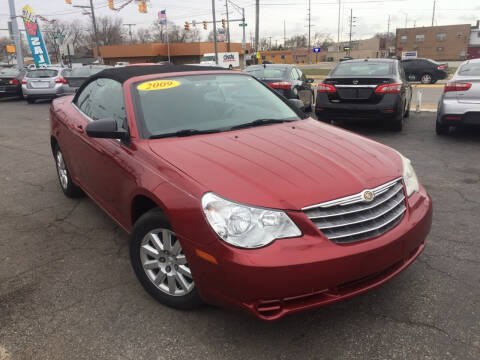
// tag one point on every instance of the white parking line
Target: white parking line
(4, 355)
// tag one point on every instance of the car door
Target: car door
(105, 172)
(408, 69)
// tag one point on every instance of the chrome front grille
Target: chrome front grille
(352, 218)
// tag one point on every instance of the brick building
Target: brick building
(448, 42)
(474, 43)
(180, 53)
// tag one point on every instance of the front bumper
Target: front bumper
(292, 275)
(388, 108)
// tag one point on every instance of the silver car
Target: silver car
(460, 101)
(76, 77)
(44, 83)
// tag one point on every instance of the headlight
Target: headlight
(409, 176)
(246, 226)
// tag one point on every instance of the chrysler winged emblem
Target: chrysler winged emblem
(355, 82)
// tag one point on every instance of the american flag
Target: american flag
(162, 16)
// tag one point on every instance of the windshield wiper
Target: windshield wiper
(185, 132)
(260, 122)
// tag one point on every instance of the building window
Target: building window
(420, 38)
(283, 57)
(459, 34)
(273, 56)
(440, 49)
(403, 38)
(441, 37)
(263, 57)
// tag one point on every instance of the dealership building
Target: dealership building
(180, 53)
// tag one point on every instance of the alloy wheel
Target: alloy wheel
(62, 170)
(165, 264)
(426, 79)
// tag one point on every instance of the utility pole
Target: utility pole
(270, 46)
(228, 28)
(92, 11)
(130, 31)
(16, 35)
(257, 23)
(284, 35)
(388, 27)
(338, 31)
(309, 29)
(214, 32)
(433, 14)
(351, 27)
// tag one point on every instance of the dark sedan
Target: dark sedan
(427, 71)
(287, 80)
(366, 89)
(11, 82)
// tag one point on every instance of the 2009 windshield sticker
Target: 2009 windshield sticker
(158, 85)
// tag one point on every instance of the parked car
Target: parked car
(427, 71)
(226, 60)
(75, 77)
(287, 80)
(44, 83)
(121, 63)
(237, 199)
(345, 58)
(460, 101)
(11, 82)
(365, 89)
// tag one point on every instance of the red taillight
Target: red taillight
(441, 67)
(24, 82)
(13, 82)
(326, 88)
(389, 89)
(284, 85)
(456, 86)
(61, 80)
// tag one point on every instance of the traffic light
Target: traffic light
(142, 7)
(223, 23)
(204, 24)
(69, 2)
(187, 26)
(111, 5)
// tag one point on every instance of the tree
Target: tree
(143, 35)
(296, 42)
(110, 31)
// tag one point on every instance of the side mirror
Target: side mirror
(310, 81)
(106, 129)
(298, 104)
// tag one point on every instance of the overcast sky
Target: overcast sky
(371, 15)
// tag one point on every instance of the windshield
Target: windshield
(206, 102)
(9, 72)
(261, 72)
(208, 58)
(470, 69)
(43, 73)
(364, 68)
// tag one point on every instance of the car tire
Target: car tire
(66, 184)
(397, 124)
(30, 100)
(426, 78)
(156, 262)
(441, 129)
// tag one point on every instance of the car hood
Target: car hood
(283, 166)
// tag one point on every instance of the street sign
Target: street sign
(58, 36)
(317, 50)
(10, 49)
(241, 25)
(409, 55)
(346, 48)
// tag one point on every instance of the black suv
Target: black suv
(427, 71)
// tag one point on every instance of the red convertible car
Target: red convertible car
(231, 195)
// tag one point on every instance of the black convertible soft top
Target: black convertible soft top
(122, 74)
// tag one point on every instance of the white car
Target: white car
(227, 60)
(122, 63)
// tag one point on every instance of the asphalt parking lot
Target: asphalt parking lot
(67, 289)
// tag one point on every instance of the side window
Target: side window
(295, 74)
(301, 75)
(103, 99)
(402, 72)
